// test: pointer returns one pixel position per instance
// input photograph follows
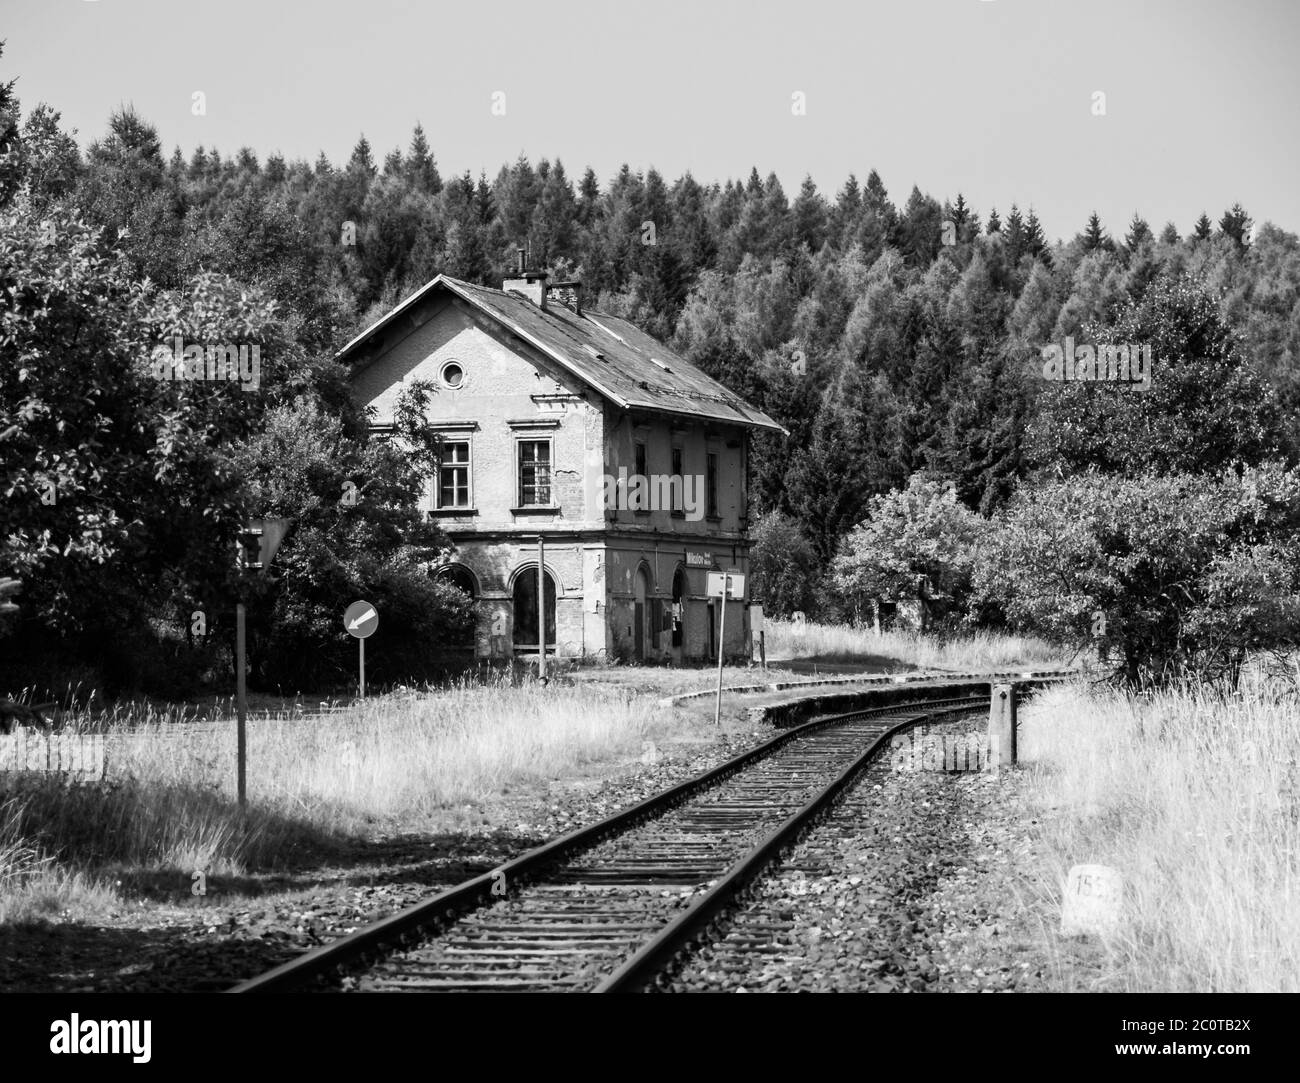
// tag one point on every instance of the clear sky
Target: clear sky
(993, 98)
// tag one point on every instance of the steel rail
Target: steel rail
(659, 951)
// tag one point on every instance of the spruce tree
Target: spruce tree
(420, 168)
(879, 224)
(588, 195)
(1235, 224)
(1094, 237)
(848, 207)
(809, 213)
(361, 157)
(965, 220)
(960, 212)
(484, 200)
(1015, 235)
(1035, 241)
(1138, 232)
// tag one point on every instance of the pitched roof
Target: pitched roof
(627, 366)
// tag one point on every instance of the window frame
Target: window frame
(442, 374)
(678, 475)
(641, 468)
(467, 465)
(532, 438)
(712, 470)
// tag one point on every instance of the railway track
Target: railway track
(608, 907)
(762, 942)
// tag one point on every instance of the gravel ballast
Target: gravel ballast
(912, 884)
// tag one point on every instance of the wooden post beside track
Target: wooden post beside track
(241, 706)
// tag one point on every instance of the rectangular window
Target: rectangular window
(453, 475)
(678, 472)
(639, 499)
(534, 473)
(711, 486)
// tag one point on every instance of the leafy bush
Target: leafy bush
(1171, 577)
(922, 533)
(783, 566)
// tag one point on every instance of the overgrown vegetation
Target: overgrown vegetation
(899, 651)
(399, 763)
(1197, 803)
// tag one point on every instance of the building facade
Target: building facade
(576, 428)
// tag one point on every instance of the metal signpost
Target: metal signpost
(360, 620)
(257, 546)
(723, 585)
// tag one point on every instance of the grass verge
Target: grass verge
(394, 764)
(1196, 801)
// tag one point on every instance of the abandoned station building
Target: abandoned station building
(549, 413)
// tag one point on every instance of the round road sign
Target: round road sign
(361, 619)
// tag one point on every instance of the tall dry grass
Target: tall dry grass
(32, 884)
(1196, 801)
(394, 762)
(844, 644)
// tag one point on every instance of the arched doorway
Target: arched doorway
(641, 614)
(525, 610)
(460, 577)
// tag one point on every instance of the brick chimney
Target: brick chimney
(532, 284)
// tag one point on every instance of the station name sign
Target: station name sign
(699, 560)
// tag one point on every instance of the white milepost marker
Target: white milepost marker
(360, 620)
(1094, 895)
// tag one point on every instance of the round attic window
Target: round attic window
(452, 374)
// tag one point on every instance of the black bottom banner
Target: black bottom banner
(1228, 1033)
